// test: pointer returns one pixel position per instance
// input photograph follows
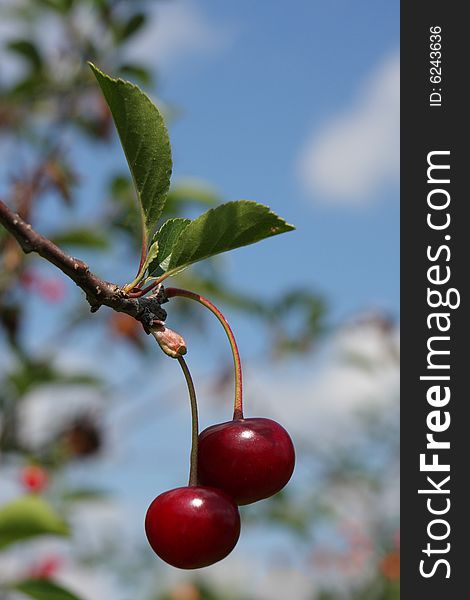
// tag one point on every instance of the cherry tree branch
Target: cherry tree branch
(98, 292)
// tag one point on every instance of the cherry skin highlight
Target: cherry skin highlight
(249, 459)
(192, 527)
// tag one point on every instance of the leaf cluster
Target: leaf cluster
(178, 242)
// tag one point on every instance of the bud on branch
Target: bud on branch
(170, 342)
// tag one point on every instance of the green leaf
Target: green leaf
(145, 142)
(224, 228)
(120, 186)
(186, 194)
(220, 292)
(167, 237)
(85, 495)
(27, 50)
(44, 589)
(28, 517)
(60, 6)
(130, 27)
(125, 214)
(136, 72)
(192, 190)
(29, 374)
(83, 237)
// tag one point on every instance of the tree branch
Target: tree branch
(98, 292)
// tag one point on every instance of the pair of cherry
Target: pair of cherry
(233, 463)
(240, 462)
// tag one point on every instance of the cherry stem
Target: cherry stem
(194, 422)
(238, 402)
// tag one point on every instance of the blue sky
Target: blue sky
(267, 90)
(265, 80)
(267, 99)
(293, 105)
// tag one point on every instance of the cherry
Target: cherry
(249, 459)
(192, 527)
(34, 478)
(46, 568)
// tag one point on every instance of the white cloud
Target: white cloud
(327, 402)
(98, 524)
(284, 583)
(90, 583)
(251, 577)
(347, 160)
(45, 411)
(177, 30)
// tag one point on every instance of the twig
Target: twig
(98, 292)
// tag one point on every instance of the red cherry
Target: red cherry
(34, 478)
(249, 459)
(192, 527)
(46, 568)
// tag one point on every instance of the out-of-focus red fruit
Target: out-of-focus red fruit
(34, 478)
(390, 566)
(185, 591)
(27, 278)
(46, 568)
(49, 288)
(126, 327)
(52, 290)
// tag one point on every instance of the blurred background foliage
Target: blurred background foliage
(49, 104)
